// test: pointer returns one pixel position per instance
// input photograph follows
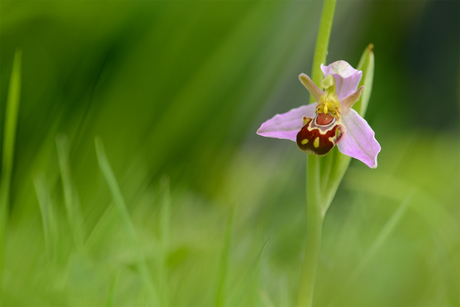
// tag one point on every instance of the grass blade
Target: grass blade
(126, 221)
(95, 234)
(112, 292)
(164, 239)
(246, 282)
(383, 235)
(74, 216)
(49, 220)
(223, 266)
(9, 135)
(265, 298)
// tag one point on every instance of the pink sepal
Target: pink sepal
(287, 125)
(359, 141)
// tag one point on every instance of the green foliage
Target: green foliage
(127, 224)
(9, 138)
(366, 65)
(176, 91)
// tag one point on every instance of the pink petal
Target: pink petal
(310, 86)
(350, 100)
(346, 77)
(359, 141)
(287, 125)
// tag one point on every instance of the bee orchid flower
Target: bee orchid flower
(330, 121)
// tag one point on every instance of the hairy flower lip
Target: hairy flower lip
(359, 141)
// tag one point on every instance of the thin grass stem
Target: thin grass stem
(223, 265)
(165, 217)
(112, 290)
(381, 238)
(313, 240)
(100, 225)
(9, 136)
(322, 41)
(383, 235)
(74, 215)
(247, 279)
(265, 298)
(126, 221)
(50, 228)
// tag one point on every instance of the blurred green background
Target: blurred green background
(176, 90)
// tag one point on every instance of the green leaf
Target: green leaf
(334, 165)
(366, 64)
(9, 135)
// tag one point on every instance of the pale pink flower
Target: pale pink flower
(330, 121)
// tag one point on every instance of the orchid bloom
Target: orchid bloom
(330, 121)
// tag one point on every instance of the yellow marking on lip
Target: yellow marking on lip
(316, 142)
(304, 141)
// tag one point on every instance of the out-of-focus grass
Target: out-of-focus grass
(176, 90)
(106, 169)
(418, 254)
(8, 146)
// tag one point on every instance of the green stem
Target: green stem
(314, 199)
(313, 240)
(322, 41)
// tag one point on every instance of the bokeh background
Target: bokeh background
(176, 90)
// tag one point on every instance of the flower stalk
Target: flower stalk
(313, 188)
(322, 41)
(331, 130)
(313, 236)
